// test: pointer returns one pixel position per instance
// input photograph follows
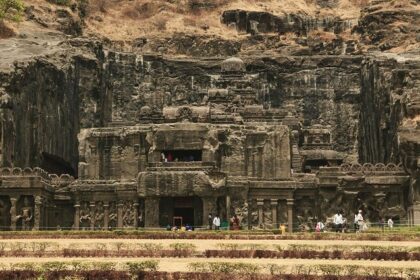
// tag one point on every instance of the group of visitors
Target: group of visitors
(214, 222)
(339, 223)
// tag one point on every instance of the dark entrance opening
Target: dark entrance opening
(187, 215)
(314, 165)
(184, 207)
(56, 165)
(183, 155)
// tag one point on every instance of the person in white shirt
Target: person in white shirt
(338, 222)
(390, 223)
(319, 227)
(216, 222)
(360, 222)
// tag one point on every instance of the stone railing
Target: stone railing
(181, 165)
(372, 169)
(36, 172)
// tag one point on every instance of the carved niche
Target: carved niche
(112, 216)
(99, 215)
(129, 214)
(85, 215)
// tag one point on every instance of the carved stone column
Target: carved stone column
(416, 215)
(92, 215)
(260, 204)
(37, 212)
(106, 216)
(13, 220)
(290, 203)
(120, 214)
(228, 209)
(77, 216)
(209, 207)
(136, 213)
(151, 215)
(274, 203)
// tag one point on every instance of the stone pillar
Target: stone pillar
(209, 204)
(228, 210)
(106, 216)
(151, 215)
(416, 215)
(290, 203)
(260, 204)
(77, 216)
(13, 210)
(274, 203)
(46, 210)
(37, 212)
(120, 214)
(136, 213)
(92, 207)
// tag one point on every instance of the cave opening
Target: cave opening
(56, 165)
(182, 155)
(314, 165)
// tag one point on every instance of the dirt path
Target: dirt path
(202, 245)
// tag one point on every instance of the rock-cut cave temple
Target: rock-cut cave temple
(121, 140)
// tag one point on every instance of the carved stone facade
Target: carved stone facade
(228, 148)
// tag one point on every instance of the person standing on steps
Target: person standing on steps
(216, 222)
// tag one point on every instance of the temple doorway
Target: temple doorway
(184, 207)
(174, 209)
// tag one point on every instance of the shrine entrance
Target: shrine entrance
(174, 209)
(184, 207)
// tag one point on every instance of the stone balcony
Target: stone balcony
(181, 166)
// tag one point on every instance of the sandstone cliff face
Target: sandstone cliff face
(51, 98)
(388, 91)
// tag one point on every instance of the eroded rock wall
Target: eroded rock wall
(51, 98)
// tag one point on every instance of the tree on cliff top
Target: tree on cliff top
(11, 10)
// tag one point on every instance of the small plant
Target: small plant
(150, 246)
(183, 247)
(11, 10)
(135, 267)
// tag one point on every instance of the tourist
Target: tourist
(169, 158)
(283, 228)
(360, 222)
(338, 221)
(356, 223)
(210, 221)
(235, 223)
(382, 223)
(163, 157)
(216, 222)
(390, 223)
(319, 227)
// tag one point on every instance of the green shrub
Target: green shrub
(151, 246)
(183, 246)
(135, 267)
(11, 9)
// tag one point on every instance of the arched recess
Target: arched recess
(56, 165)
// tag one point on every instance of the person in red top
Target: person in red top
(170, 157)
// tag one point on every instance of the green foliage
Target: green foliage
(11, 10)
(183, 246)
(135, 267)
